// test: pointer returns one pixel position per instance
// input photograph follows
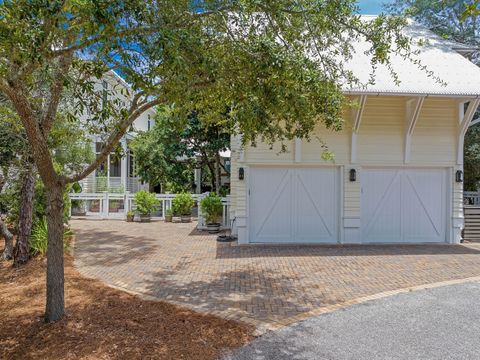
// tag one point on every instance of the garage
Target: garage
(404, 205)
(293, 205)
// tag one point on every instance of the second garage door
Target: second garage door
(404, 205)
(294, 205)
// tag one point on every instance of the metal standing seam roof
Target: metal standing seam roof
(461, 76)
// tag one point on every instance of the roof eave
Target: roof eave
(394, 93)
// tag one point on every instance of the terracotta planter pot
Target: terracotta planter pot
(144, 218)
(130, 218)
(213, 228)
(168, 218)
(186, 218)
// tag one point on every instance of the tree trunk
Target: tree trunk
(55, 307)
(8, 236)
(22, 248)
(218, 173)
(211, 169)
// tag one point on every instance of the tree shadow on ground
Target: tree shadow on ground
(263, 295)
(111, 247)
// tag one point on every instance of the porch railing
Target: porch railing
(114, 205)
(111, 184)
(471, 198)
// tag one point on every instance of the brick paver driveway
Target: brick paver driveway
(271, 285)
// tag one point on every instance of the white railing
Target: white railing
(471, 198)
(111, 184)
(114, 205)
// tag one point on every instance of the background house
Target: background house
(117, 174)
(397, 171)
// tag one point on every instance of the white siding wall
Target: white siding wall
(380, 142)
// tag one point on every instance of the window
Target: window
(115, 166)
(102, 169)
(227, 165)
(131, 164)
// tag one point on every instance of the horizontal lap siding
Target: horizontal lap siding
(337, 142)
(352, 194)
(380, 138)
(263, 153)
(434, 138)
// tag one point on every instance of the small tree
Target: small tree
(175, 147)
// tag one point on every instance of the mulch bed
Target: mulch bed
(103, 323)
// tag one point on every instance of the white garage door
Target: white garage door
(404, 206)
(293, 205)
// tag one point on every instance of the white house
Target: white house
(397, 173)
(117, 174)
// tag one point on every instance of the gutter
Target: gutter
(379, 93)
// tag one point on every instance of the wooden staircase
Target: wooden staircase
(471, 231)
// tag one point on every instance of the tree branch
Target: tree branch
(56, 91)
(113, 139)
(37, 141)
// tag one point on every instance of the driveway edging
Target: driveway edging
(331, 308)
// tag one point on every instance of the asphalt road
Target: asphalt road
(441, 323)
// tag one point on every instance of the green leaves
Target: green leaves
(182, 204)
(145, 202)
(212, 208)
(270, 70)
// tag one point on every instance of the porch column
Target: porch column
(198, 180)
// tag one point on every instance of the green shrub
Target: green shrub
(212, 208)
(39, 238)
(182, 204)
(169, 212)
(10, 199)
(145, 202)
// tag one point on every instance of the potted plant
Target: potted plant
(212, 210)
(145, 204)
(182, 205)
(168, 215)
(130, 216)
(78, 208)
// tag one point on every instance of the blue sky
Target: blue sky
(372, 7)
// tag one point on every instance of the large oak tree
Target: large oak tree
(273, 68)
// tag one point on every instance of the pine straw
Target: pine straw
(103, 323)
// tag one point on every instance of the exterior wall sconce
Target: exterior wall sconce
(241, 173)
(353, 175)
(459, 176)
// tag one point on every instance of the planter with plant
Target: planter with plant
(145, 203)
(130, 216)
(78, 208)
(168, 215)
(182, 205)
(212, 210)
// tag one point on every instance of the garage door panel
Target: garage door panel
(412, 208)
(376, 186)
(302, 208)
(273, 210)
(315, 191)
(423, 207)
(382, 221)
